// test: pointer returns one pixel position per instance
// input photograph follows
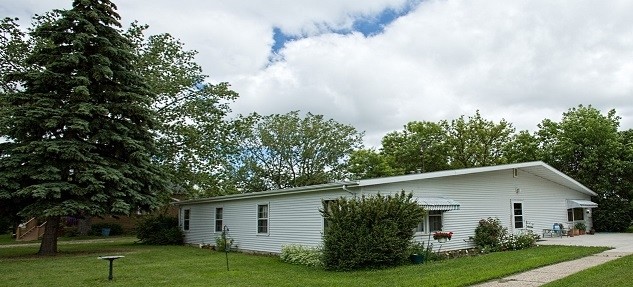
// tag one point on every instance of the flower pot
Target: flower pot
(417, 258)
(105, 231)
(442, 239)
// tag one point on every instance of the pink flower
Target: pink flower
(441, 234)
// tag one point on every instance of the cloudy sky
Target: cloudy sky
(379, 64)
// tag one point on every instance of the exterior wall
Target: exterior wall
(486, 195)
(292, 219)
(295, 219)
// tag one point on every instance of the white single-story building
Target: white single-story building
(530, 195)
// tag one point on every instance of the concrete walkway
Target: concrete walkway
(621, 242)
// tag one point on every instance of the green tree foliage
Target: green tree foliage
(461, 143)
(626, 168)
(194, 135)
(522, 147)
(587, 146)
(281, 151)
(79, 130)
(195, 138)
(477, 141)
(368, 163)
(159, 230)
(14, 47)
(368, 232)
(612, 214)
(421, 146)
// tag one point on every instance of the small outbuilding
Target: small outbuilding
(524, 196)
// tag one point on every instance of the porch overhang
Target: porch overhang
(437, 203)
(580, 203)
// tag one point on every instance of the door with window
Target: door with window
(518, 220)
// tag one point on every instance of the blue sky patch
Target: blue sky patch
(368, 25)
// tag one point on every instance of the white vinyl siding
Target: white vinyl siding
(295, 218)
(486, 195)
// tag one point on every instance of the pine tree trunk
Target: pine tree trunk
(49, 240)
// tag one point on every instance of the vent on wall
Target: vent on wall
(515, 172)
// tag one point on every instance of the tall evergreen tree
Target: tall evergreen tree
(79, 130)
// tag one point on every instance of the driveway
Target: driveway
(621, 242)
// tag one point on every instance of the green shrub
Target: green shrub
(160, 230)
(418, 248)
(302, 255)
(520, 241)
(71, 231)
(223, 241)
(489, 234)
(115, 228)
(367, 232)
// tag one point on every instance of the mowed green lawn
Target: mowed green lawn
(77, 265)
(613, 273)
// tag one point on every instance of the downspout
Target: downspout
(349, 191)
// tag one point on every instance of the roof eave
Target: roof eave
(267, 193)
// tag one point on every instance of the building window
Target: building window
(262, 218)
(517, 212)
(326, 222)
(575, 214)
(218, 219)
(433, 220)
(185, 219)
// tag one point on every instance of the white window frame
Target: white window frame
(186, 219)
(514, 215)
(221, 220)
(266, 219)
(425, 224)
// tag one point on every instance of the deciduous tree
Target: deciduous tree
(587, 146)
(421, 146)
(476, 141)
(288, 150)
(368, 163)
(195, 137)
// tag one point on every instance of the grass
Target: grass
(613, 273)
(77, 265)
(6, 239)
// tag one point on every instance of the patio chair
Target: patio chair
(557, 230)
(564, 231)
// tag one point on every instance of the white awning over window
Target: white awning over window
(579, 203)
(437, 203)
